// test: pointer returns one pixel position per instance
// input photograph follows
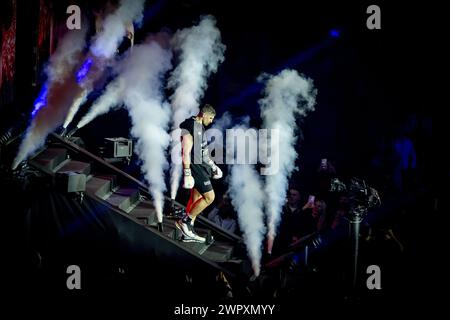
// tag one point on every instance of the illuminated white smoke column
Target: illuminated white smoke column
(247, 197)
(114, 27)
(104, 47)
(143, 72)
(56, 97)
(110, 97)
(200, 51)
(59, 101)
(287, 97)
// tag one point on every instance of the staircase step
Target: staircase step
(202, 231)
(112, 178)
(200, 248)
(50, 158)
(145, 211)
(103, 189)
(169, 230)
(99, 186)
(124, 198)
(75, 166)
(219, 252)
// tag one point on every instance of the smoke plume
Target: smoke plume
(114, 27)
(247, 197)
(64, 92)
(110, 97)
(199, 51)
(57, 95)
(143, 72)
(287, 96)
(74, 108)
(105, 44)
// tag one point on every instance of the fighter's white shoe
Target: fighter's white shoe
(188, 232)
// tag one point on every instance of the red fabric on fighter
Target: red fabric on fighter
(194, 204)
(191, 197)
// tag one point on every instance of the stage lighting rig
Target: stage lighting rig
(117, 149)
(362, 197)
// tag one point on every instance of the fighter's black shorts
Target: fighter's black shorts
(201, 174)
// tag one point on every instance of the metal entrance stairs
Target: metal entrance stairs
(125, 195)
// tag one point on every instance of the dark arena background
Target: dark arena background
(91, 196)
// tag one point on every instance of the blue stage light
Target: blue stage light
(335, 33)
(82, 73)
(40, 101)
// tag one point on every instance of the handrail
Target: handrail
(76, 148)
(142, 186)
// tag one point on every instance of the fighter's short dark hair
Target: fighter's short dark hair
(207, 108)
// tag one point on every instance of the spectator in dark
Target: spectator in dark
(224, 215)
(379, 171)
(319, 213)
(341, 212)
(405, 162)
(322, 203)
(322, 183)
(316, 210)
(295, 222)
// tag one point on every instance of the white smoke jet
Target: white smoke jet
(114, 93)
(287, 95)
(247, 197)
(111, 97)
(143, 72)
(87, 76)
(74, 108)
(51, 110)
(62, 88)
(66, 55)
(105, 44)
(114, 27)
(200, 52)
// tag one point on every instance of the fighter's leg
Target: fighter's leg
(186, 224)
(198, 206)
(195, 195)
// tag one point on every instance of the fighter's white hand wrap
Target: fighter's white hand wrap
(188, 180)
(216, 172)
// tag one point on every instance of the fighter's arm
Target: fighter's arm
(206, 159)
(216, 172)
(187, 142)
(130, 33)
